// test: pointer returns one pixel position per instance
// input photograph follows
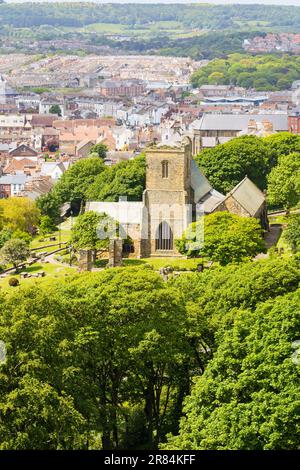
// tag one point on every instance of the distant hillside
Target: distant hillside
(201, 16)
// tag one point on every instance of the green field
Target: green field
(52, 271)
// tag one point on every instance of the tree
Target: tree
(124, 179)
(89, 231)
(49, 205)
(97, 346)
(100, 149)
(75, 183)
(46, 225)
(14, 251)
(227, 164)
(5, 235)
(227, 238)
(284, 182)
(19, 213)
(55, 109)
(282, 143)
(292, 233)
(248, 399)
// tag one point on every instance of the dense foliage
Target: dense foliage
(227, 164)
(284, 182)
(105, 360)
(124, 179)
(292, 232)
(14, 251)
(19, 213)
(203, 16)
(268, 72)
(92, 231)
(248, 397)
(223, 237)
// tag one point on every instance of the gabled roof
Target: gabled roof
(199, 182)
(248, 195)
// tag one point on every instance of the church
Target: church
(176, 194)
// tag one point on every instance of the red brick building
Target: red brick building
(294, 122)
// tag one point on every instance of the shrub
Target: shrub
(13, 282)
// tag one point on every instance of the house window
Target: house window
(165, 169)
(164, 237)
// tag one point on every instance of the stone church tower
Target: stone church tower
(168, 198)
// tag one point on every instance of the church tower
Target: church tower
(168, 198)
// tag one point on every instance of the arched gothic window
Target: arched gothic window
(164, 237)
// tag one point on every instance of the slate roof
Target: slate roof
(248, 195)
(238, 122)
(199, 182)
(13, 179)
(210, 201)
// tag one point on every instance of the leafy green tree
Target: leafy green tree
(49, 417)
(265, 72)
(19, 213)
(75, 183)
(100, 149)
(292, 233)
(124, 179)
(227, 164)
(248, 398)
(14, 252)
(46, 225)
(284, 182)
(5, 235)
(49, 205)
(55, 109)
(282, 143)
(101, 341)
(227, 238)
(90, 229)
(20, 235)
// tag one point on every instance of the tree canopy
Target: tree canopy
(74, 184)
(248, 398)
(90, 229)
(19, 213)
(105, 359)
(226, 238)
(227, 164)
(14, 251)
(262, 72)
(284, 182)
(124, 179)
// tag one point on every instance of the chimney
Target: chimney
(252, 125)
(268, 126)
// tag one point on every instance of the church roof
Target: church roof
(210, 201)
(248, 195)
(125, 212)
(199, 182)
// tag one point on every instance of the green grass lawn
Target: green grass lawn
(52, 271)
(106, 28)
(63, 235)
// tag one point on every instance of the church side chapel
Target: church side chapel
(176, 193)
